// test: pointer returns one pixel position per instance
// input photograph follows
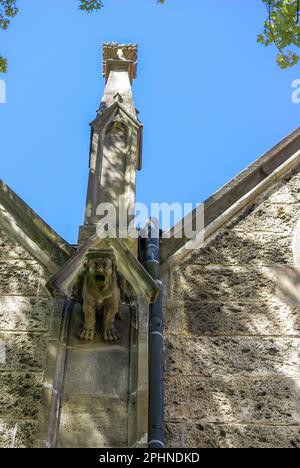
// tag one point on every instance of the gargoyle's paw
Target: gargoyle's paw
(120, 315)
(87, 334)
(111, 335)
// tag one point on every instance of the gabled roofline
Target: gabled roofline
(235, 195)
(37, 237)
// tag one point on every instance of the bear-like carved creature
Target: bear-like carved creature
(100, 291)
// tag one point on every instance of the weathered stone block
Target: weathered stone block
(175, 434)
(231, 436)
(166, 280)
(24, 351)
(51, 355)
(266, 216)
(25, 313)
(93, 423)
(24, 436)
(229, 284)
(56, 314)
(242, 401)
(6, 429)
(20, 394)
(219, 318)
(288, 190)
(9, 248)
(233, 247)
(288, 284)
(21, 277)
(99, 370)
(247, 356)
(17, 435)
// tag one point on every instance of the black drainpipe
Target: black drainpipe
(156, 340)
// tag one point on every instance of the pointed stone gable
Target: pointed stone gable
(31, 231)
(132, 270)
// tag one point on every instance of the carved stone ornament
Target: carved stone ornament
(120, 53)
(101, 294)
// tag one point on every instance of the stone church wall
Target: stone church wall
(25, 322)
(232, 369)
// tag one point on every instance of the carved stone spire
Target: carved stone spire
(116, 138)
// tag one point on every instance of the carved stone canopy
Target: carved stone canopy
(107, 253)
(120, 55)
(132, 270)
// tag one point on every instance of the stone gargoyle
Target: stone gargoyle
(101, 292)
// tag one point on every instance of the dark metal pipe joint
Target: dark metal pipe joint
(156, 341)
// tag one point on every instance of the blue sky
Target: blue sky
(212, 100)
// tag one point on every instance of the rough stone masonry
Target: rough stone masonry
(25, 324)
(232, 368)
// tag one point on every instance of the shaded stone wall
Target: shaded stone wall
(232, 314)
(104, 396)
(94, 401)
(25, 322)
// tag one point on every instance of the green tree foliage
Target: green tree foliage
(90, 5)
(8, 9)
(282, 26)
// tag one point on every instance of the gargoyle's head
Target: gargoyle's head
(100, 269)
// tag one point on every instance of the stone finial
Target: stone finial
(120, 54)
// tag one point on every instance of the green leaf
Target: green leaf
(3, 65)
(90, 5)
(282, 30)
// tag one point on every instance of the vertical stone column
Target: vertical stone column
(116, 139)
